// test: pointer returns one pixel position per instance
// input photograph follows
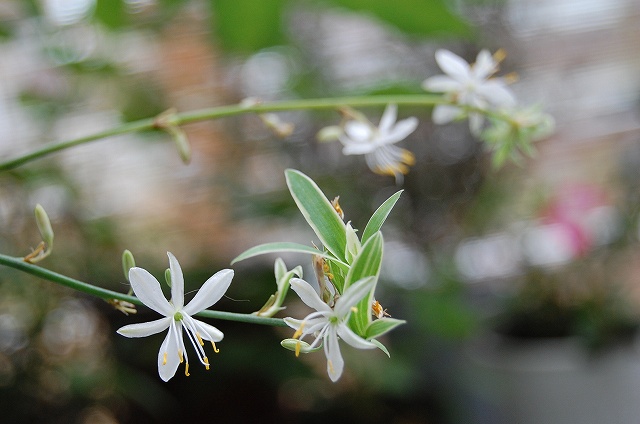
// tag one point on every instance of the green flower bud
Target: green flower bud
(128, 262)
(167, 276)
(44, 225)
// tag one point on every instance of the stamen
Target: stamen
(500, 55)
(186, 369)
(354, 309)
(164, 359)
(181, 356)
(206, 363)
(298, 346)
(298, 332)
(511, 77)
(215, 349)
(199, 339)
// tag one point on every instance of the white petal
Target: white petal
(148, 290)
(293, 323)
(453, 64)
(443, 114)
(146, 328)
(210, 292)
(177, 282)
(401, 131)
(308, 295)
(356, 148)
(353, 339)
(485, 66)
(358, 131)
(388, 118)
(353, 294)
(209, 332)
(441, 84)
(497, 93)
(169, 350)
(335, 363)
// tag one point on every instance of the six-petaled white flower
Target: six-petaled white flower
(361, 137)
(329, 324)
(468, 85)
(176, 315)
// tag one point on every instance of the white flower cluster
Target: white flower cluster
(471, 91)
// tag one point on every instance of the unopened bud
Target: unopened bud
(167, 276)
(296, 345)
(275, 124)
(128, 262)
(328, 134)
(182, 142)
(44, 225)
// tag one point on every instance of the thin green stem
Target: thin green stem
(20, 264)
(225, 111)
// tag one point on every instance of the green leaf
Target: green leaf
(382, 326)
(418, 17)
(366, 264)
(319, 213)
(381, 347)
(246, 26)
(280, 247)
(379, 216)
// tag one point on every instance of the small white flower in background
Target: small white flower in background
(468, 85)
(176, 316)
(329, 324)
(361, 137)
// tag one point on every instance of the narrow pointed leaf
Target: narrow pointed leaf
(381, 347)
(318, 212)
(366, 264)
(379, 216)
(382, 326)
(280, 247)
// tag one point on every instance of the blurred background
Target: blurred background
(508, 279)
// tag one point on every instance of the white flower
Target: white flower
(176, 316)
(361, 137)
(328, 324)
(468, 85)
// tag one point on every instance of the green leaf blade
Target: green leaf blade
(280, 247)
(366, 264)
(382, 326)
(318, 212)
(380, 216)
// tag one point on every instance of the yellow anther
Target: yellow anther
(354, 309)
(164, 359)
(206, 363)
(215, 349)
(298, 332)
(181, 356)
(298, 345)
(500, 55)
(511, 77)
(336, 206)
(199, 339)
(408, 157)
(186, 369)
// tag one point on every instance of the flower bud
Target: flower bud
(330, 133)
(167, 276)
(44, 225)
(127, 263)
(298, 345)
